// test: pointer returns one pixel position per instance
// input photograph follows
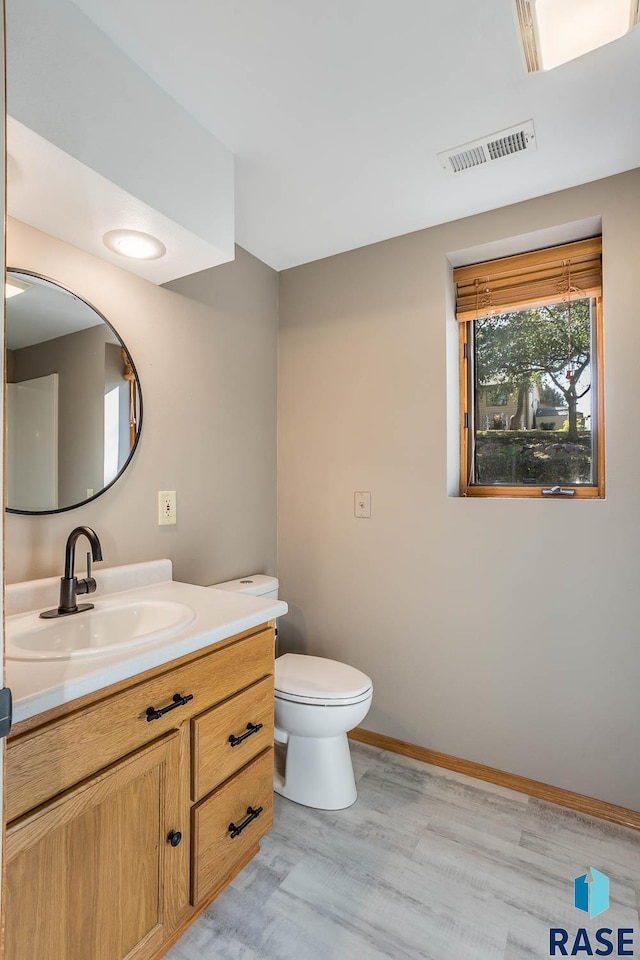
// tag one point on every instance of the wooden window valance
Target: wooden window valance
(529, 279)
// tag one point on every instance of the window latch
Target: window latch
(558, 491)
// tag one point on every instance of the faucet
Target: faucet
(70, 586)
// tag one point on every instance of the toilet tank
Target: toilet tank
(256, 584)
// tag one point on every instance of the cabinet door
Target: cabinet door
(92, 873)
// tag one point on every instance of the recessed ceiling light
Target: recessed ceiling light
(556, 31)
(135, 244)
(13, 287)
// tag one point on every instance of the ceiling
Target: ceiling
(335, 111)
(45, 311)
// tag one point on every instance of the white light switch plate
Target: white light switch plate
(166, 507)
(362, 504)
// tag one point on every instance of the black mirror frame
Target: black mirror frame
(82, 503)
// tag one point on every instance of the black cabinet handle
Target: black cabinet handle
(174, 838)
(251, 815)
(178, 701)
(251, 728)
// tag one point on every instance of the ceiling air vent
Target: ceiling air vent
(494, 147)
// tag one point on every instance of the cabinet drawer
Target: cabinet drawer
(215, 850)
(54, 757)
(229, 735)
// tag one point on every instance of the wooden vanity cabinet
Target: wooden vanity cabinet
(112, 857)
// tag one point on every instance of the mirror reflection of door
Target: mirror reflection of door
(71, 439)
(32, 442)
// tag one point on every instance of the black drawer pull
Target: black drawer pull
(251, 728)
(174, 838)
(251, 815)
(178, 701)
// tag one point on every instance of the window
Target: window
(531, 374)
(496, 396)
(111, 434)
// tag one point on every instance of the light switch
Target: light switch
(166, 507)
(362, 504)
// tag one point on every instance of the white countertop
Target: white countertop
(39, 685)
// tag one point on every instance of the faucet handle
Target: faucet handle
(88, 584)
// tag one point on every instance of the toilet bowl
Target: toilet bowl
(317, 701)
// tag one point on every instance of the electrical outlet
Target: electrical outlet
(166, 507)
(362, 504)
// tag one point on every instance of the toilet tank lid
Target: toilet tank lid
(256, 584)
(317, 677)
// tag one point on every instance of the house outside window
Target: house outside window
(496, 396)
(531, 374)
(499, 405)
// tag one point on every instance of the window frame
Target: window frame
(594, 491)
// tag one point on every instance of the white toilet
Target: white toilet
(317, 701)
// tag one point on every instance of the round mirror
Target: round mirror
(74, 405)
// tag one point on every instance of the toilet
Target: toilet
(317, 701)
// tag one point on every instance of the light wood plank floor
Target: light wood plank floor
(427, 864)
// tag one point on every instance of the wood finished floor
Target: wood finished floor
(427, 864)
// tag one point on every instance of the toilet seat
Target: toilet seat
(319, 681)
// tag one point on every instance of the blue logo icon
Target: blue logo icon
(591, 893)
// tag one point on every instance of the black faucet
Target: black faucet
(70, 586)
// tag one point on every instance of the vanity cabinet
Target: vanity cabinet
(126, 818)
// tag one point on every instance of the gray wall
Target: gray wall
(207, 366)
(436, 597)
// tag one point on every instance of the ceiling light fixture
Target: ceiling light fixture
(134, 244)
(556, 31)
(13, 287)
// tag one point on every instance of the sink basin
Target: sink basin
(109, 626)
